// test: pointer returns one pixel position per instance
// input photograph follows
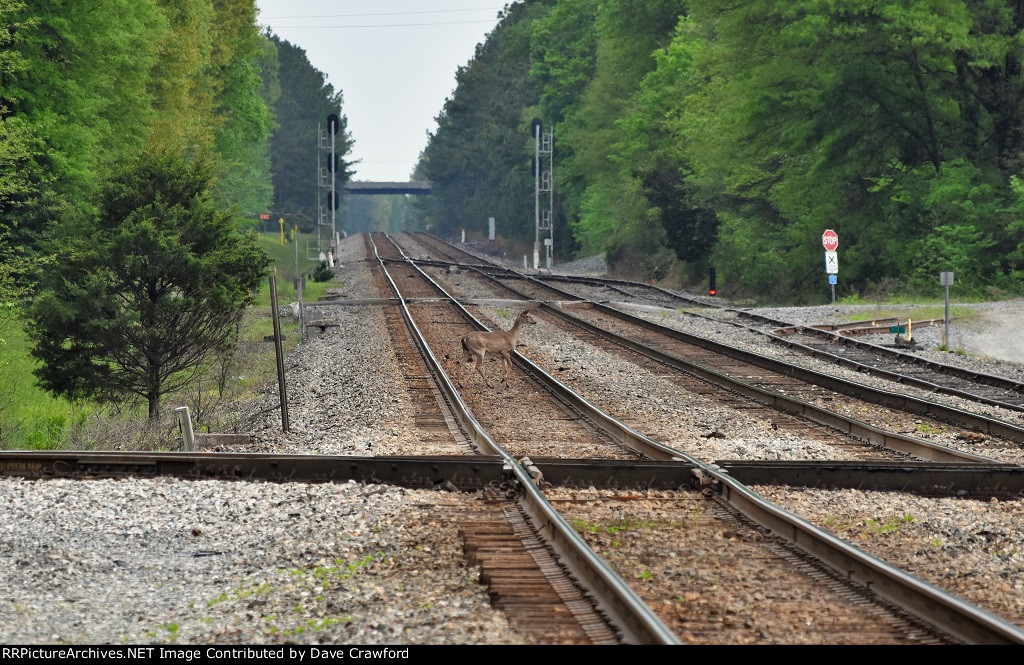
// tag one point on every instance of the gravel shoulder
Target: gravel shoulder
(991, 333)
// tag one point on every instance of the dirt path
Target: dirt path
(997, 332)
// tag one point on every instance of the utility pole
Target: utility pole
(322, 184)
(536, 192)
(319, 210)
(300, 283)
(548, 185)
(332, 166)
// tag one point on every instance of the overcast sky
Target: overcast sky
(394, 62)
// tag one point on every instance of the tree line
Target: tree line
(139, 140)
(691, 134)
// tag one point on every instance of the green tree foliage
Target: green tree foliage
(86, 85)
(564, 57)
(209, 97)
(242, 105)
(654, 149)
(145, 292)
(77, 92)
(710, 132)
(15, 133)
(479, 161)
(563, 54)
(604, 197)
(806, 115)
(305, 102)
(181, 77)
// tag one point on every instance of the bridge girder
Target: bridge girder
(387, 187)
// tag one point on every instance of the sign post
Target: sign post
(830, 240)
(946, 279)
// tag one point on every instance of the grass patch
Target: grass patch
(890, 525)
(31, 418)
(914, 312)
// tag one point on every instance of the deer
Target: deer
(476, 345)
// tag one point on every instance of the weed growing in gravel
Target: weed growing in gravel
(322, 577)
(626, 524)
(580, 525)
(341, 570)
(240, 593)
(875, 526)
(925, 428)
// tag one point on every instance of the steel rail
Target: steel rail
(614, 284)
(461, 472)
(619, 431)
(977, 481)
(613, 596)
(822, 331)
(945, 610)
(919, 448)
(910, 404)
(475, 472)
(941, 368)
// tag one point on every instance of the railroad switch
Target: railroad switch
(904, 342)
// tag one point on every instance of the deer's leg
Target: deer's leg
(467, 357)
(506, 360)
(479, 361)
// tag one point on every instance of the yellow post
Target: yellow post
(294, 230)
(284, 241)
(910, 335)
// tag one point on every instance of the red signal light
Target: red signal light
(712, 292)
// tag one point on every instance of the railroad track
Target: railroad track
(832, 343)
(791, 397)
(904, 367)
(733, 593)
(716, 480)
(586, 587)
(566, 589)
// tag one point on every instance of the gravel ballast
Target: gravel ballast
(200, 562)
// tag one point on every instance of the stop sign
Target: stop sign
(830, 240)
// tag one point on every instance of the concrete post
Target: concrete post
(188, 437)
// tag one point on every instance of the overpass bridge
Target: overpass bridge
(387, 187)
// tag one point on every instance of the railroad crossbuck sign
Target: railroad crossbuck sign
(832, 262)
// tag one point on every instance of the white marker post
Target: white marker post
(946, 279)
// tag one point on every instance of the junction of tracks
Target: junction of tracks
(509, 457)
